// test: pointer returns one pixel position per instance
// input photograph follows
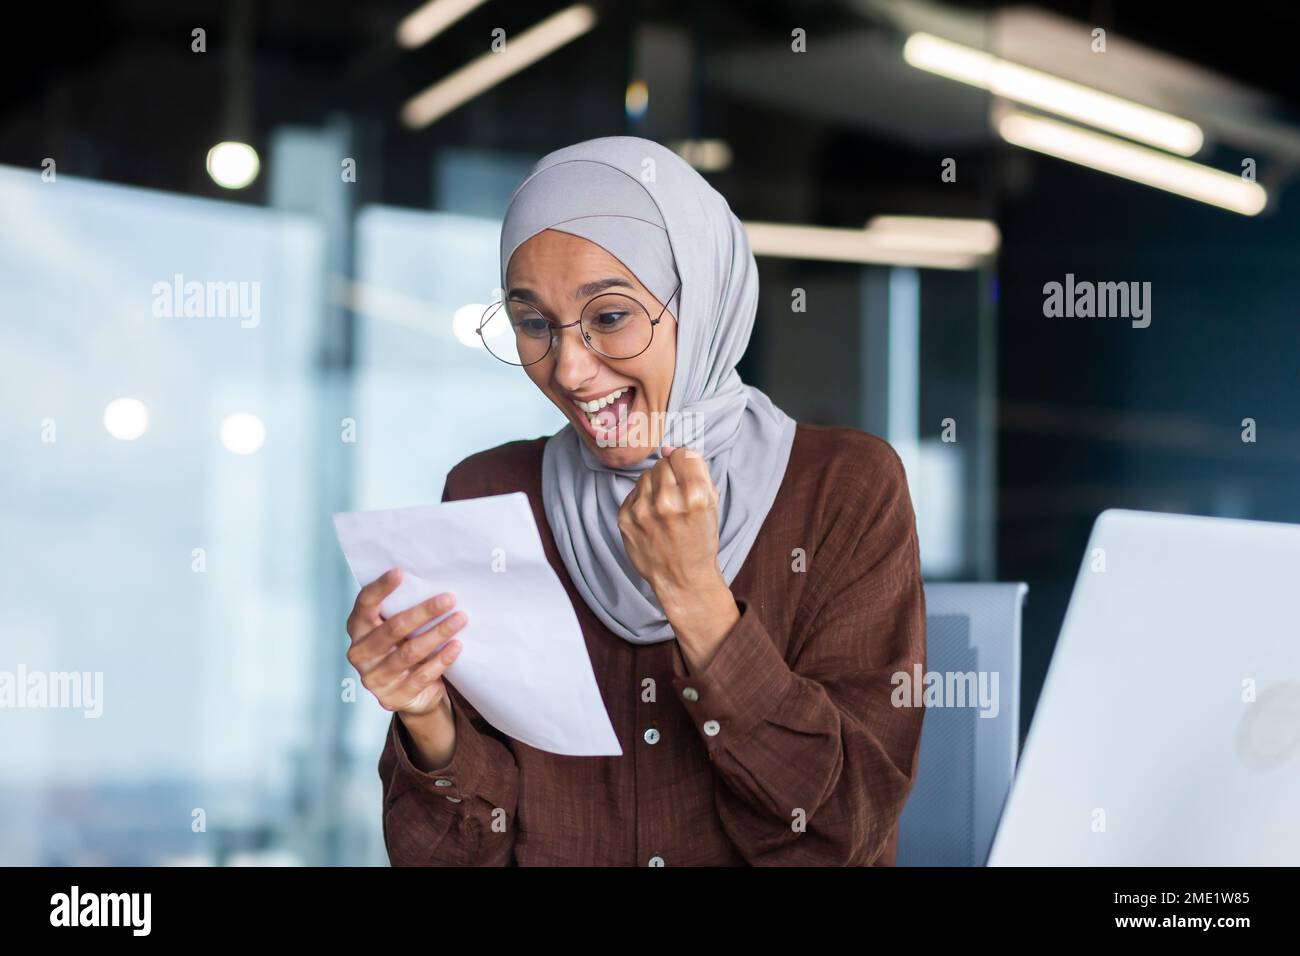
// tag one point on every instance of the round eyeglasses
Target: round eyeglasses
(612, 324)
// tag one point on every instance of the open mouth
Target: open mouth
(606, 418)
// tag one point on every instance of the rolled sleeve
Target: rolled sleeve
(469, 773)
(452, 815)
(743, 683)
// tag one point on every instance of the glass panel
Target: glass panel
(157, 583)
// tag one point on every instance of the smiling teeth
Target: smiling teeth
(597, 404)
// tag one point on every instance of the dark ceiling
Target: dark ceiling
(114, 92)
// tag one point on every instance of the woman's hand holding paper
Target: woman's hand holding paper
(400, 668)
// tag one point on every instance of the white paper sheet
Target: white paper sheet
(524, 664)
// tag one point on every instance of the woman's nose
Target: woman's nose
(574, 362)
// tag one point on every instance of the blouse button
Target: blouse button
(656, 861)
(442, 782)
(651, 736)
(711, 727)
(690, 693)
(454, 799)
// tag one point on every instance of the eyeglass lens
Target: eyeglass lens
(615, 325)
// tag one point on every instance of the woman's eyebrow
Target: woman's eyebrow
(527, 295)
(591, 288)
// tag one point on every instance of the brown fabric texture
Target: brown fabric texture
(785, 751)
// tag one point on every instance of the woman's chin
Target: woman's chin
(617, 456)
(613, 453)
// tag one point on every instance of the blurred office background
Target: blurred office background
(912, 175)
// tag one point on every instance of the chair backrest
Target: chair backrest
(969, 742)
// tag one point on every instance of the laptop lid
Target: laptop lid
(1168, 729)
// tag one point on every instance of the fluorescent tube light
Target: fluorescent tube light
(1119, 158)
(428, 20)
(490, 69)
(977, 237)
(848, 245)
(1052, 94)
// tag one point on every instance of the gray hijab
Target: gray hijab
(652, 211)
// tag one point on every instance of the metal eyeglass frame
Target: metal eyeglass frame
(557, 329)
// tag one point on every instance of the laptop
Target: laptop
(1168, 729)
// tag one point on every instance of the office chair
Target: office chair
(967, 760)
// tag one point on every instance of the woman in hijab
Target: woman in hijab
(748, 587)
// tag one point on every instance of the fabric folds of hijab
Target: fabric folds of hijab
(652, 211)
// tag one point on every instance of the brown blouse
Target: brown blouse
(786, 750)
